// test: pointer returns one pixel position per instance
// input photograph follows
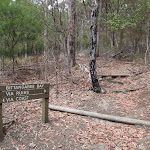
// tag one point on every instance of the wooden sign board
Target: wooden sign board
(12, 93)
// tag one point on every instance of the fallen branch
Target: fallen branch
(129, 62)
(9, 123)
(117, 82)
(31, 69)
(140, 72)
(116, 55)
(101, 116)
(114, 75)
(128, 90)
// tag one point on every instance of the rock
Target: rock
(32, 145)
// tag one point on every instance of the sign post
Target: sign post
(1, 124)
(45, 110)
(12, 93)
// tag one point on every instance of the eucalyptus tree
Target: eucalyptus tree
(71, 32)
(130, 19)
(19, 22)
(93, 47)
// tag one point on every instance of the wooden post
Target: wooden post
(45, 110)
(1, 124)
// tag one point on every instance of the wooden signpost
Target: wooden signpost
(12, 93)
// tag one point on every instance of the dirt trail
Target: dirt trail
(128, 97)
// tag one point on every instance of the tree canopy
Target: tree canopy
(19, 23)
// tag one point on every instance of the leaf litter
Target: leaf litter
(67, 131)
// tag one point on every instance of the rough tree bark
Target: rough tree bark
(98, 32)
(46, 43)
(71, 32)
(93, 48)
(98, 42)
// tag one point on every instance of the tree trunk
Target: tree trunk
(26, 50)
(46, 44)
(147, 48)
(136, 45)
(99, 31)
(93, 48)
(120, 40)
(3, 63)
(113, 38)
(98, 42)
(13, 59)
(71, 33)
(13, 64)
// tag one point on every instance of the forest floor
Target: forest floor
(125, 97)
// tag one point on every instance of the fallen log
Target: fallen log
(101, 116)
(114, 75)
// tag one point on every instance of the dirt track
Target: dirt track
(128, 97)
